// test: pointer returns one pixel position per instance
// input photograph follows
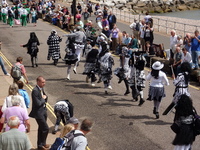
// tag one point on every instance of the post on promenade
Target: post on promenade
(74, 8)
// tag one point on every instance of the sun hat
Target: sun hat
(157, 65)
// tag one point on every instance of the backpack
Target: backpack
(137, 27)
(71, 108)
(57, 144)
(16, 71)
(68, 139)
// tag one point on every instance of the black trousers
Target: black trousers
(43, 130)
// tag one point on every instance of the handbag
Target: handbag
(175, 127)
(17, 21)
(196, 122)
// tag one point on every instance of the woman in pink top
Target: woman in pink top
(16, 110)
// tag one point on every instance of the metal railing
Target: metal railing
(159, 24)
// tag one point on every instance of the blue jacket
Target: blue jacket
(24, 94)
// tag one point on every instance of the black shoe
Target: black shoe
(141, 102)
(157, 115)
(54, 131)
(126, 93)
(154, 110)
(99, 81)
(120, 80)
(36, 65)
(106, 92)
(33, 66)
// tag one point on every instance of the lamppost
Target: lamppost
(74, 11)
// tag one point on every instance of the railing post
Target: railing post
(166, 26)
(158, 24)
(184, 30)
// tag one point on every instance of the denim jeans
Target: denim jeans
(195, 58)
(2, 66)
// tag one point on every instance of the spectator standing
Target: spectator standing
(12, 91)
(187, 42)
(23, 93)
(54, 47)
(14, 139)
(39, 112)
(115, 35)
(89, 7)
(19, 64)
(80, 142)
(173, 42)
(112, 20)
(16, 110)
(147, 18)
(32, 47)
(148, 34)
(86, 16)
(141, 35)
(104, 22)
(195, 49)
(79, 8)
(156, 89)
(105, 11)
(184, 121)
(135, 26)
(34, 16)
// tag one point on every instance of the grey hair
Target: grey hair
(15, 100)
(13, 121)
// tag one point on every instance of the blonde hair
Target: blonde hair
(13, 89)
(67, 128)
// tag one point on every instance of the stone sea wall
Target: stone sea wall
(153, 6)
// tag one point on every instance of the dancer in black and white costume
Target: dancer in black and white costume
(80, 39)
(106, 62)
(70, 57)
(137, 77)
(123, 72)
(181, 82)
(54, 47)
(91, 60)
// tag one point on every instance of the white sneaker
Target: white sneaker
(87, 79)
(110, 87)
(93, 84)
(8, 74)
(68, 77)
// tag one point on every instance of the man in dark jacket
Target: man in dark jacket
(112, 20)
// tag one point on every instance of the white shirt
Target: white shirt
(162, 79)
(7, 103)
(4, 10)
(173, 42)
(186, 58)
(141, 31)
(23, 12)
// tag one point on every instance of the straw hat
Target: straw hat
(157, 65)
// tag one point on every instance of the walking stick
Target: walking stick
(173, 104)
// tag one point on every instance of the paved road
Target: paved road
(119, 123)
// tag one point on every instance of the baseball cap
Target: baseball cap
(74, 120)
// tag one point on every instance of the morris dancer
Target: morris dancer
(137, 79)
(90, 65)
(156, 89)
(123, 72)
(106, 62)
(80, 39)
